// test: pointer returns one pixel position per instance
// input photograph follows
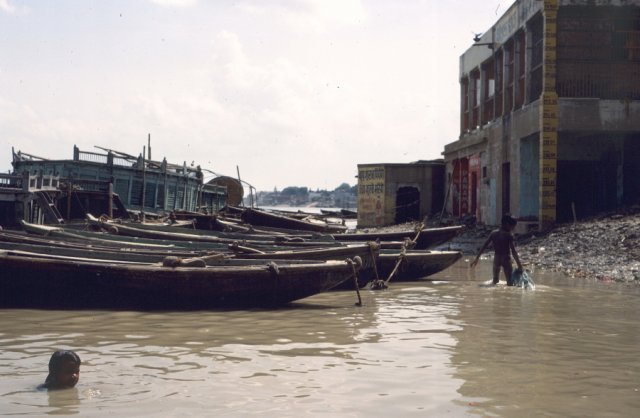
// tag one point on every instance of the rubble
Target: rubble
(604, 248)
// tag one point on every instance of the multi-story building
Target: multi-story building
(550, 113)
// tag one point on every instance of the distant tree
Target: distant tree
(294, 191)
(344, 187)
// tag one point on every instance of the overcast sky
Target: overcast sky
(293, 92)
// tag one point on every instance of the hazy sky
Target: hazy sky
(294, 92)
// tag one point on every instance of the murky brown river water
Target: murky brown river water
(567, 349)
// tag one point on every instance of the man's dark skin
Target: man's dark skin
(503, 245)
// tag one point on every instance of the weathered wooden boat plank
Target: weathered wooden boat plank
(263, 218)
(39, 283)
(415, 264)
(424, 239)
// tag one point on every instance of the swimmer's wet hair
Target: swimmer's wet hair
(60, 356)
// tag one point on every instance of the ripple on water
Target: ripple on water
(423, 349)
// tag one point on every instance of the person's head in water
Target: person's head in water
(508, 222)
(64, 370)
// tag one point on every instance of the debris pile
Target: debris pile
(606, 248)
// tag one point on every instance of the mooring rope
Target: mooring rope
(401, 258)
(373, 258)
(355, 277)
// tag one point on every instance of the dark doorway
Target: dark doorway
(407, 204)
(506, 188)
(589, 185)
(631, 171)
(11, 213)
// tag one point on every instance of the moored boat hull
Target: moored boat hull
(368, 254)
(30, 282)
(264, 218)
(416, 264)
(424, 239)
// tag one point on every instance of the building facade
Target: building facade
(550, 114)
(395, 193)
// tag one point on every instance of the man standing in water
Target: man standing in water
(503, 246)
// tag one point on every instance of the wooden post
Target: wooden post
(186, 187)
(241, 197)
(110, 204)
(69, 191)
(144, 183)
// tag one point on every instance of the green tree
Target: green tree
(344, 187)
(294, 191)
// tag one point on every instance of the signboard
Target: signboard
(513, 19)
(371, 188)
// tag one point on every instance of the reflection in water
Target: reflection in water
(423, 349)
(563, 349)
(63, 402)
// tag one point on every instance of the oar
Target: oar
(235, 247)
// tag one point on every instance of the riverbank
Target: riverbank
(604, 248)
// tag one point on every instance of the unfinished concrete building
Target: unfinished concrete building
(550, 114)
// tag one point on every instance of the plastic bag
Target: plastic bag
(520, 278)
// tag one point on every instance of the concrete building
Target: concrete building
(550, 113)
(395, 193)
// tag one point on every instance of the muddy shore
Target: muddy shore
(604, 248)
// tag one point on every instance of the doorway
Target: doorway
(407, 204)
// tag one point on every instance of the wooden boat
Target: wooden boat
(349, 214)
(138, 231)
(259, 217)
(247, 235)
(107, 239)
(35, 282)
(342, 213)
(333, 213)
(368, 254)
(415, 264)
(99, 253)
(267, 230)
(424, 239)
(198, 220)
